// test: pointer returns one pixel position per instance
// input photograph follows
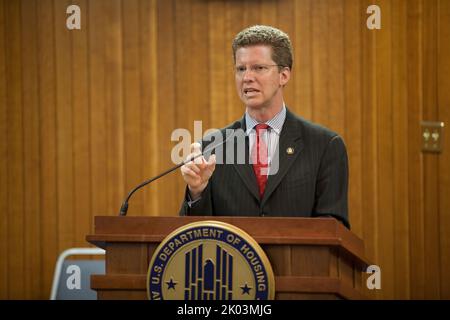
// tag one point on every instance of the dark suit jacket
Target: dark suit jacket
(310, 182)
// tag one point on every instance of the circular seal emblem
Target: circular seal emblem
(210, 260)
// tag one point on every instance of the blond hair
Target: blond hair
(266, 35)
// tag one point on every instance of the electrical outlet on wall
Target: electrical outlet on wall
(432, 135)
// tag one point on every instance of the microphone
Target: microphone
(124, 207)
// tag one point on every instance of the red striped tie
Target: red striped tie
(259, 158)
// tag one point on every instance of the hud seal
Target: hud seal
(210, 260)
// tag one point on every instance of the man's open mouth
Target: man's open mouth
(250, 91)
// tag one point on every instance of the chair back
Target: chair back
(72, 277)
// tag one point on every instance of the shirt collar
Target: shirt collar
(276, 123)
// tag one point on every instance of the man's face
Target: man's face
(260, 85)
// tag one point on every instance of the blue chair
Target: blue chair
(71, 280)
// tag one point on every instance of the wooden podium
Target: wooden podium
(312, 258)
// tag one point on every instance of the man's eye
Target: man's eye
(259, 68)
(240, 69)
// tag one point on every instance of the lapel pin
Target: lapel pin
(290, 150)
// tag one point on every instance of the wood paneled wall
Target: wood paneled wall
(87, 114)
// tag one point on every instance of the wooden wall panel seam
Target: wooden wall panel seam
(4, 234)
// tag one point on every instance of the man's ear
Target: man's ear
(285, 75)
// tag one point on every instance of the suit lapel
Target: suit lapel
(247, 175)
(289, 138)
(245, 171)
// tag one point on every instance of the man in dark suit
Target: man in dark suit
(292, 167)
